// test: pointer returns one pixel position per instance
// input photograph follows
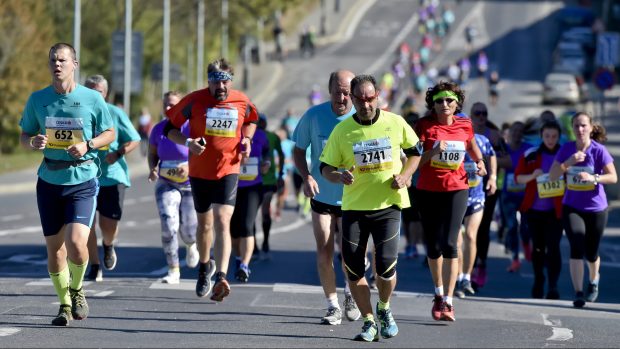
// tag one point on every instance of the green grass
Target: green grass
(19, 160)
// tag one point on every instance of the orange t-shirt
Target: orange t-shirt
(219, 122)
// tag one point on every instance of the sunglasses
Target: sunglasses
(481, 113)
(367, 99)
(441, 101)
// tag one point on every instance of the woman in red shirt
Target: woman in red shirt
(443, 186)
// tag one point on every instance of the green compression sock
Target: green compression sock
(61, 285)
(382, 306)
(77, 274)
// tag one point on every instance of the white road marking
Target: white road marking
(26, 258)
(8, 331)
(103, 293)
(10, 218)
(559, 333)
(24, 230)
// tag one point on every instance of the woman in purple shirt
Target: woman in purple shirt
(587, 165)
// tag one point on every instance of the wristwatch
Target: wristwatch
(596, 179)
(90, 145)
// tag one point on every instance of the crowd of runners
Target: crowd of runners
(437, 178)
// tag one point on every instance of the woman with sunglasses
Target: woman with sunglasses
(542, 203)
(443, 187)
(587, 165)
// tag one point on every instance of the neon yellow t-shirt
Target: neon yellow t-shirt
(375, 152)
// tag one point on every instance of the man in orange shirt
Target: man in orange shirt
(222, 123)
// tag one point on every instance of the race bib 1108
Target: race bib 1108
(451, 158)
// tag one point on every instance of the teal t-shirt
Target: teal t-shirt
(312, 131)
(118, 172)
(66, 119)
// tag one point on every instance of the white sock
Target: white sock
(459, 277)
(447, 299)
(596, 279)
(439, 290)
(467, 277)
(347, 290)
(333, 302)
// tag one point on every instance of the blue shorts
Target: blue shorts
(473, 207)
(64, 204)
(110, 201)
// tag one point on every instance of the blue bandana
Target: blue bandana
(219, 76)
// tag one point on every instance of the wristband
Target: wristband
(31, 144)
(596, 179)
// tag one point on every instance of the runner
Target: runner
(68, 122)
(473, 214)
(312, 132)
(113, 181)
(249, 197)
(587, 165)
(217, 143)
(443, 187)
(369, 146)
(168, 167)
(542, 205)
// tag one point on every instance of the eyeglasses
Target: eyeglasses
(481, 113)
(367, 99)
(441, 101)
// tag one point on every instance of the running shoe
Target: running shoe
(94, 274)
(64, 316)
(333, 317)
(447, 312)
(173, 277)
(389, 328)
(467, 287)
(350, 308)
(79, 306)
(243, 273)
(437, 307)
(221, 290)
(369, 332)
(514, 266)
(109, 257)
(579, 300)
(592, 293)
(204, 283)
(553, 293)
(192, 257)
(458, 290)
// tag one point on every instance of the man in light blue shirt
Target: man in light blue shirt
(312, 131)
(112, 183)
(68, 122)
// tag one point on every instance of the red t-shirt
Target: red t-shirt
(445, 171)
(219, 122)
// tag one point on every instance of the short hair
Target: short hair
(220, 65)
(361, 79)
(444, 86)
(94, 80)
(62, 45)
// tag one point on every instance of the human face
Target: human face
(62, 65)
(365, 100)
(170, 101)
(550, 137)
(340, 96)
(479, 116)
(582, 127)
(445, 106)
(219, 89)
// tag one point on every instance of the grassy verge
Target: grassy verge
(19, 161)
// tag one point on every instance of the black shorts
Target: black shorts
(411, 214)
(64, 204)
(110, 201)
(298, 180)
(221, 191)
(242, 221)
(269, 189)
(323, 208)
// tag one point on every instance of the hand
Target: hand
(491, 185)
(246, 147)
(195, 147)
(39, 142)
(311, 187)
(442, 146)
(482, 170)
(112, 157)
(537, 172)
(586, 177)
(77, 150)
(399, 181)
(264, 167)
(346, 177)
(183, 169)
(575, 158)
(153, 175)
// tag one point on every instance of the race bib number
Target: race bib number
(451, 158)
(548, 188)
(472, 178)
(572, 178)
(63, 132)
(512, 185)
(169, 169)
(222, 122)
(249, 170)
(374, 155)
